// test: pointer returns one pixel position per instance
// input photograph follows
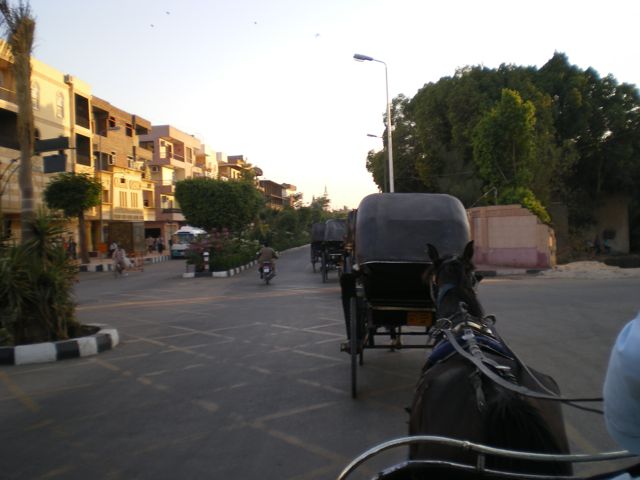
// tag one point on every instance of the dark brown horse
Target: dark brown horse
(457, 399)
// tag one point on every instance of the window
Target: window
(105, 196)
(129, 130)
(123, 199)
(59, 105)
(35, 95)
(112, 122)
(134, 199)
(130, 162)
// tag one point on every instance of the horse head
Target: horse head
(452, 280)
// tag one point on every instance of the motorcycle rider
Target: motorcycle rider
(267, 254)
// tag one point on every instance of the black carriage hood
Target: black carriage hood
(396, 227)
(335, 230)
(317, 232)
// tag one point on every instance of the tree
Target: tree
(504, 142)
(74, 194)
(209, 203)
(20, 30)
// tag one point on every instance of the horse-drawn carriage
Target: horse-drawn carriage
(478, 410)
(383, 292)
(332, 254)
(317, 237)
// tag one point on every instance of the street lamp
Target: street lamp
(384, 167)
(366, 58)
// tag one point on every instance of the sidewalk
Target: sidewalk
(499, 271)
(106, 264)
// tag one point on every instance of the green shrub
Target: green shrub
(528, 200)
(36, 287)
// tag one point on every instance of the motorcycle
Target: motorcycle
(267, 272)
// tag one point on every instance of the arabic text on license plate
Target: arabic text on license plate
(419, 319)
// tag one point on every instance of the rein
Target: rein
(447, 327)
(480, 365)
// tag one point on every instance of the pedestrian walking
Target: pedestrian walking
(71, 248)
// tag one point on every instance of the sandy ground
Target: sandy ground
(590, 269)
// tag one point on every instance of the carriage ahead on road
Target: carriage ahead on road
(383, 292)
(333, 247)
(317, 237)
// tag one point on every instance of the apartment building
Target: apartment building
(293, 198)
(206, 158)
(121, 165)
(137, 164)
(232, 167)
(61, 109)
(176, 156)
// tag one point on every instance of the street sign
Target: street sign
(54, 163)
(50, 144)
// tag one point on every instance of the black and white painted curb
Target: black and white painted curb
(222, 273)
(104, 339)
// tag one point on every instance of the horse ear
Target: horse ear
(433, 253)
(468, 252)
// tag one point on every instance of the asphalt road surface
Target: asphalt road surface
(226, 378)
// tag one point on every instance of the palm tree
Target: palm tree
(20, 30)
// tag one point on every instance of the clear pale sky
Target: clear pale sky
(275, 80)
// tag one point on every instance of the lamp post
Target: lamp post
(366, 58)
(385, 186)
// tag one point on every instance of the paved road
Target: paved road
(231, 379)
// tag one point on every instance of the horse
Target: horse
(454, 398)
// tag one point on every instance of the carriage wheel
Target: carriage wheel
(354, 344)
(324, 267)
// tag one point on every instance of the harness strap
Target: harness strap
(522, 390)
(442, 291)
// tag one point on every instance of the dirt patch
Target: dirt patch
(590, 269)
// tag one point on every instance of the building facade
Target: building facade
(138, 164)
(121, 166)
(61, 109)
(175, 156)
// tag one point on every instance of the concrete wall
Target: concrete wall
(509, 235)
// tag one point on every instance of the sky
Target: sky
(275, 80)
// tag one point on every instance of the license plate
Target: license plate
(266, 269)
(419, 319)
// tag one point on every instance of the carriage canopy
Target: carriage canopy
(395, 227)
(335, 230)
(317, 232)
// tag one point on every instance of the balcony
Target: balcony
(7, 95)
(167, 189)
(170, 215)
